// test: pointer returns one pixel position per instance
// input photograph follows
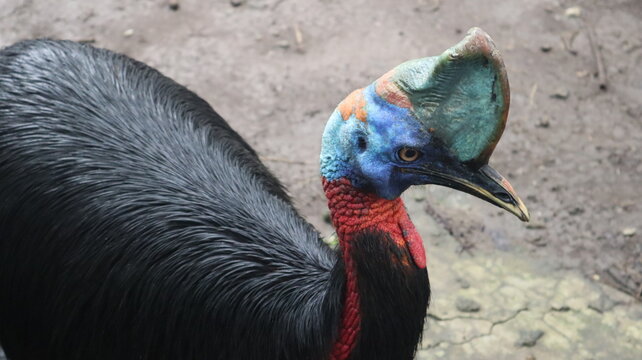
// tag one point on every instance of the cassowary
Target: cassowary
(136, 224)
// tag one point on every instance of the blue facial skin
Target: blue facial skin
(367, 153)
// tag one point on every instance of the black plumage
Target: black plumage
(136, 224)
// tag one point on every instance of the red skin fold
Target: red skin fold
(352, 211)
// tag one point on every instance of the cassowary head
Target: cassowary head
(433, 120)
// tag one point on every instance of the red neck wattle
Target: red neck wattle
(353, 210)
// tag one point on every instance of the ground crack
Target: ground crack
(490, 331)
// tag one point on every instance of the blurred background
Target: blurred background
(566, 285)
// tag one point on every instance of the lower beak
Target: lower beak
(483, 182)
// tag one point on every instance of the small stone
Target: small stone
(128, 33)
(174, 5)
(237, 3)
(283, 44)
(463, 283)
(573, 12)
(582, 73)
(576, 211)
(528, 338)
(467, 305)
(530, 357)
(544, 122)
(560, 94)
(545, 48)
(326, 218)
(629, 231)
(602, 304)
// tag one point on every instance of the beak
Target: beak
(484, 182)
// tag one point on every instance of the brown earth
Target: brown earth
(275, 69)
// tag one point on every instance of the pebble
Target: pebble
(582, 73)
(467, 305)
(560, 94)
(283, 44)
(602, 304)
(629, 231)
(463, 283)
(573, 12)
(528, 338)
(128, 33)
(237, 3)
(326, 218)
(545, 48)
(544, 122)
(174, 5)
(576, 211)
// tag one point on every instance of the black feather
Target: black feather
(394, 297)
(136, 224)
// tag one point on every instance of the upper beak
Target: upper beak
(483, 182)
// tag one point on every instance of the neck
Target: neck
(358, 215)
(353, 210)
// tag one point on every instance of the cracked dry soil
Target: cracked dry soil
(524, 308)
(491, 324)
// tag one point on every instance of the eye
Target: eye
(408, 154)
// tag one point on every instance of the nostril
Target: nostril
(504, 197)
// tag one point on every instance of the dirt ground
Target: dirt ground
(275, 69)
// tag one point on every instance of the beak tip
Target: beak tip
(524, 215)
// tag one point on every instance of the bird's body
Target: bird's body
(136, 224)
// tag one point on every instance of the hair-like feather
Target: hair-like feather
(136, 224)
(400, 297)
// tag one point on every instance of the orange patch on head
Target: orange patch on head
(355, 104)
(390, 92)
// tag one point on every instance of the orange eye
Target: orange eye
(409, 154)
